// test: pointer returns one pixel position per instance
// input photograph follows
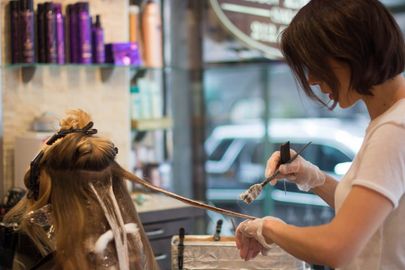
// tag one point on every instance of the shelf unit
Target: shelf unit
(152, 124)
(28, 72)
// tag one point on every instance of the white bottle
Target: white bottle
(145, 99)
(155, 99)
(136, 103)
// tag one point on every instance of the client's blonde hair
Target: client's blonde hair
(66, 169)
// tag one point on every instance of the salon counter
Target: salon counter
(162, 217)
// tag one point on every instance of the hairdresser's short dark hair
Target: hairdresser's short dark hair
(360, 33)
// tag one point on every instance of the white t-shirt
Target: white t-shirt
(380, 166)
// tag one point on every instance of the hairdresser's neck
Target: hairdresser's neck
(385, 95)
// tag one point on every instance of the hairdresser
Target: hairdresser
(352, 51)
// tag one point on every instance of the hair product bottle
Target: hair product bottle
(133, 23)
(98, 41)
(41, 37)
(72, 33)
(50, 33)
(152, 34)
(84, 30)
(14, 31)
(27, 31)
(60, 33)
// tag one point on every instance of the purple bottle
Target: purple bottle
(50, 33)
(41, 39)
(60, 34)
(84, 31)
(98, 42)
(73, 33)
(14, 31)
(27, 31)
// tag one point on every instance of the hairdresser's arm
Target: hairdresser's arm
(327, 190)
(338, 242)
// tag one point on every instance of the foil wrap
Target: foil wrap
(202, 252)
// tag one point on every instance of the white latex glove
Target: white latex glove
(305, 174)
(249, 235)
(248, 247)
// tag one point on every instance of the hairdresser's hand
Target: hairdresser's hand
(248, 247)
(305, 174)
(249, 237)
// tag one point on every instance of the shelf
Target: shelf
(40, 65)
(28, 70)
(103, 66)
(242, 63)
(152, 124)
(137, 68)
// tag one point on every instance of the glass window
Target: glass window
(241, 94)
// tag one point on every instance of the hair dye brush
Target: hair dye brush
(254, 191)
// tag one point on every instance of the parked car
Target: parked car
(237, 154)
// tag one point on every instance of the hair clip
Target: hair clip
(88, 130)
(180, 251)
(33, 184)
(218, 228)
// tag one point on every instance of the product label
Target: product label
(28, 38)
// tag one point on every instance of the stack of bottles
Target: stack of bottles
(48, 36)
(145, 29)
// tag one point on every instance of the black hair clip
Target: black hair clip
(217, 235)
(88, 130)
(33, 184)
(180, 249)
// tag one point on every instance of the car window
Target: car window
(219, 151)
(245, 154)
(324, 156)
(330, 157)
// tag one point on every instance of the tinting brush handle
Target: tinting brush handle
(274, 175)
(268, 179)
(284, 158)
(285, 153)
